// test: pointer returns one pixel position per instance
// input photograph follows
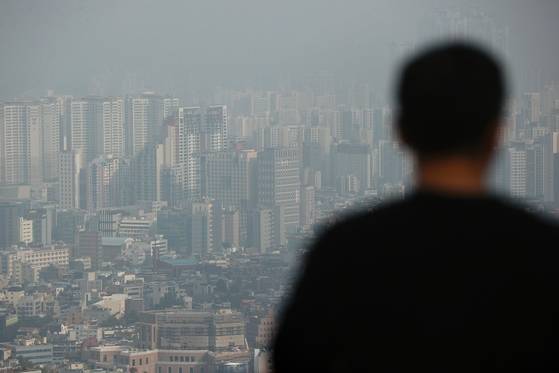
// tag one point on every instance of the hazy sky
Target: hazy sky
(58, 44)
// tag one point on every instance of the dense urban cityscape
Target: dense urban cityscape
(154, 230)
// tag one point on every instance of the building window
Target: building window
(182, 359)
(202, 370)
(140, 361)
(147, 360)
(133, 362)
(191, 370)
(170, 358)
(180, 369)
(159, 370)
(169, 370)
(192, 359)
(176, 358)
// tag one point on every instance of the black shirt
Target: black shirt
(435, 283)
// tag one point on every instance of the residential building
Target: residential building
(215, 126)
(29, 141)
(90, 245)
(70, 165)
(97, 127)
(144, 116)
(278, 182)
(9, 224)
(266, 227)
(108, 183)
(231, 176)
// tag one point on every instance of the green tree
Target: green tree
(221, 286)
(25, 363)
(130, 317)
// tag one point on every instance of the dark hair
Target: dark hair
(449, 96)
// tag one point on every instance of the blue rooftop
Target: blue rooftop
(113, 240)
(181, 262)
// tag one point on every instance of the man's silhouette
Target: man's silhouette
(450, 279)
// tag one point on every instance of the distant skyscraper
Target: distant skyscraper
(29, 141)
(146, 172)
(359, 94)
(108, 183)
(215, 125)
(356, 160)
(9, 225)
(266, 227)
(231, 177)
(70, 162)
(144, 116)
(396, 53)
(322, 83)
(190, 120)
(97, 127)
(334, 121)
(464, 25)
(531, 107)
(306, 209)
(279, 183)
(515, 172)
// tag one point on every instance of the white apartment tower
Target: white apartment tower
(70, 164)
(144, 116)
(334, 121)
(515, 172)
(279, 183)
(97, 126)
(29, 141)
(215, 125)
(190, 120)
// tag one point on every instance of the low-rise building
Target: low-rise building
(38, 353)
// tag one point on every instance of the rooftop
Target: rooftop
(181, 262)
(114, 240)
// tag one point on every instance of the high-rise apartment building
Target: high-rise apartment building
(515, 172)
(266, 227)
(334, 121)
(190, 120)
(231, 177)
(70, 165)
(144, 116)
(108, 183)
(359, 95)
(215, 126)
(531, 108)
(307, 205)
(97, 127)
(354, 159)
(29, 141)
(146, 172)
(279, 183)
(9, 224)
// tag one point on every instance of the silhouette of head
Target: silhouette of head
(450, 99)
